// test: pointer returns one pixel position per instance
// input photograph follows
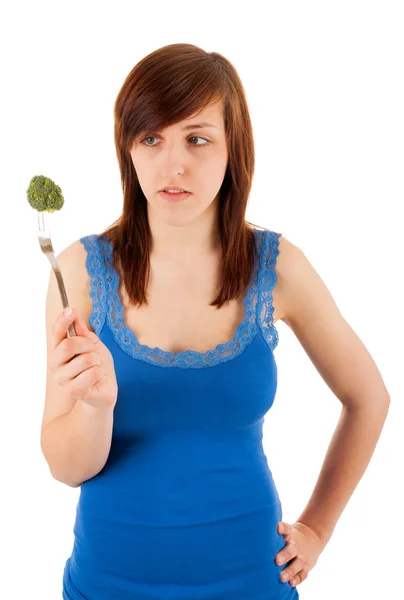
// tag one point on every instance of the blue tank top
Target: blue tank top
(185, 507)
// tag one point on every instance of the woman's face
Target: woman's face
(184, 155)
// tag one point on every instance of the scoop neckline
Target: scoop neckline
(128, 340)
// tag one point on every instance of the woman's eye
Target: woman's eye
(147, 138)
(193, 137)
(197, 137)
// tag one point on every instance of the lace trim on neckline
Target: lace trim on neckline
(258, 307)
(187, 359)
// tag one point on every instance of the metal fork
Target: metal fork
(47, 249)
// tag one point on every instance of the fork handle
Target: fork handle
(72, 330)
(63, 295)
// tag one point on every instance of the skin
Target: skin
(302, 301)
(197, 164)
(346, 366)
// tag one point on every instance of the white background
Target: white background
(324, 82)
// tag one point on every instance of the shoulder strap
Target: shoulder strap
(96, 268)
(266, 282)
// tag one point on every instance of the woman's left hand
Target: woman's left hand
(303, 547)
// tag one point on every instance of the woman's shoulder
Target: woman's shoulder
(277, 240)
(277, 248)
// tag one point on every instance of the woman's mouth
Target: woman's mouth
(174, 196)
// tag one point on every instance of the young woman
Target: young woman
(156, 407)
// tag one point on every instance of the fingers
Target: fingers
(71, 347)
(78, 365)
(298, 578)
(296, 571)
(60, 327)
(67, 347)
(287, 553)
(285, 529)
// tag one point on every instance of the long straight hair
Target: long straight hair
(167, 86)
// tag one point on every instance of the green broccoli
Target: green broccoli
(44, 195)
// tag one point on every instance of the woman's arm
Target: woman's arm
(345, 462)
(344, 363)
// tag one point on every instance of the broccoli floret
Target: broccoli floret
(44, 195)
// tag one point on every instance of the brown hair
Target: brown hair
(167, 86)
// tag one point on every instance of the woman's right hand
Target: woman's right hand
(89, 376)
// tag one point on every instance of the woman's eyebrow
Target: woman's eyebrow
(199, 126)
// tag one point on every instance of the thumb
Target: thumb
(79, 324)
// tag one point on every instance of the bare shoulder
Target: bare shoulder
(302, 293)
(309, 309)
(290, 262)
(72, 264)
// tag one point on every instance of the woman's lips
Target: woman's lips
(174, 197)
